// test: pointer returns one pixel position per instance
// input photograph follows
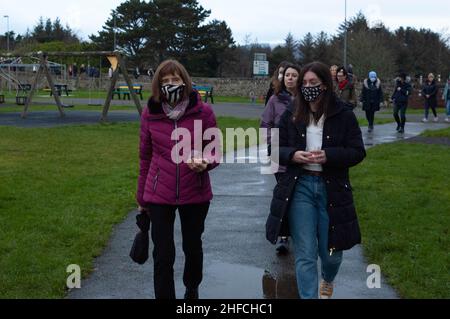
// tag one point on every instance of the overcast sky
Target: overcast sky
(263, 20)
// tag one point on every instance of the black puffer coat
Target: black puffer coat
(344, 147)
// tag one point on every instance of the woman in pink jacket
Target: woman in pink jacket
(175, 177)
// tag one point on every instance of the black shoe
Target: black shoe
(282, 247)
(402, 130)
(370, 130)
(398, 128)
(191, 293)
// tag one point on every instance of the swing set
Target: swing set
(118, 65)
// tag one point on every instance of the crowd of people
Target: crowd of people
(319, 141)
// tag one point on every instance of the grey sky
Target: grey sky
(267, 21)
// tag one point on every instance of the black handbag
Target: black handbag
(139, 250)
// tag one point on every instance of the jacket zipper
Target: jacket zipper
(156, 181)
(178, 167)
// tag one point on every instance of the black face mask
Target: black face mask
(172, 93)
(311, 93)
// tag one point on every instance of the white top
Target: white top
(314, 139)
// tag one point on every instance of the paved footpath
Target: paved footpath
(239, 262)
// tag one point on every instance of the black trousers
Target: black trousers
(400, 108)
(370, 116)
(192, 226)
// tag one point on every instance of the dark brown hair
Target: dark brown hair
(274, 81)
(343, 70)
(281, 86)
(303, 112)
(170, 67)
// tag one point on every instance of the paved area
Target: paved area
(239, 262)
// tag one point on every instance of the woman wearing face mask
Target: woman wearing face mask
(285, 92)
(276, 80)
(371, 97)
(170, 180)
(345, 89)
(429, 92)
(320, 140)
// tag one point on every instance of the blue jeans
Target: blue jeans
(308, 224)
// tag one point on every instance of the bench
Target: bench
(205, 92)
(123, 89)
(59, 88)
(21, 100)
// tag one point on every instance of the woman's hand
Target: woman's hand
(318, 157)
(141, 209)
(301, 157)
(198, 165)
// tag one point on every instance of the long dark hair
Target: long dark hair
(303, 112)
(281, 86)
(274, 81)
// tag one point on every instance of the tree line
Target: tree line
(150, 31)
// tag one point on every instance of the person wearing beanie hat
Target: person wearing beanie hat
(371, 97)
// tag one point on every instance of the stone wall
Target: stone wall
(243, 87)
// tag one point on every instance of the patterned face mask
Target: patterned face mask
(172, 93)
(311, 93)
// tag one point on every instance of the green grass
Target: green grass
(34, 108)
(415, 111)
(378, 121)
(101, 95)
(402, 198)
(62, 191)
(438, 133)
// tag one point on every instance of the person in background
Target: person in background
(320, 140)
(333, 70)
(284, 93)
(276, 80)
(446, 98)
(167, 184)
(371, 97)
(346, 90)
(400, 99)
(429, 92)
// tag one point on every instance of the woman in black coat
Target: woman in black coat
(320, 140)
(371, 97)
(429, 92)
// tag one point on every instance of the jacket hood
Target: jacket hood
(377, 83)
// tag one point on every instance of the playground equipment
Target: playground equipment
(13, 67)
(118, 65)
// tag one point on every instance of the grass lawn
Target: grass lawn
(62, 191)
(34, 108)
(440, 111)
(402, 198)
(378, 121)
(438, 133)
